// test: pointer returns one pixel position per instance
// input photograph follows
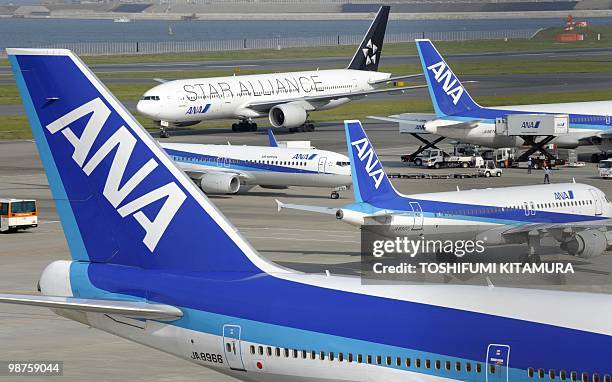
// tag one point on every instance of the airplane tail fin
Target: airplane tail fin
(368, 54)
(272, 138)
(370, 182)
(120, 198)
(448, 95)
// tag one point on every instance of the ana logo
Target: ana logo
(116, 189)
(365, 152)
(564, 195)
(451, 86)
(198, 109)
(369, 52)
(530, 125)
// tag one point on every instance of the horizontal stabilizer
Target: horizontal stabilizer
(461, 125)
(133, 309)
(393, 79)
(321, 210)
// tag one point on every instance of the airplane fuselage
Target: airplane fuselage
(586, 119)
(202, 99)
(265, 166)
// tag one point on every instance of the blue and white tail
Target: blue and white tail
(272, 138)
(448, 95)
(370, 182)
(120, 198)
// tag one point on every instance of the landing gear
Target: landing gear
(244, 125)
(163, 133)
(335, 195)
(307, 127)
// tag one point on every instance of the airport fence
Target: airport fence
(156, 47)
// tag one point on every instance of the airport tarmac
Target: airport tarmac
(477, 85)
(306, 242)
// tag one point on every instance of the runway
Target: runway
(278, 64)
(477, 85)
(302, 241)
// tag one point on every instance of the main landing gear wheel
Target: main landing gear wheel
(244, 126)
(307, 127)
(335, 195)
(163, 133)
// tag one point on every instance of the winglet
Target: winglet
(279, 205)
(272, 138)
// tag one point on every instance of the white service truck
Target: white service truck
(437, 159)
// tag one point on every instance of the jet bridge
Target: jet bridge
(537, 130)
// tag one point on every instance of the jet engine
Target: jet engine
(287, 115)
(350, 217)
(586, 244)
(220, 183)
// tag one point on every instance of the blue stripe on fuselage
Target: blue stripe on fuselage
(278, 308)
(469, 212)
(214, 161)
(577, 121)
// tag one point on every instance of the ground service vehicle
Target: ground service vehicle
(16, 214)
(605, 168)
(437, 159)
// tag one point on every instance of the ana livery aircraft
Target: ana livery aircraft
(155, 262)
(458, 116)
(286, 98)
(228, 169)
(576, 215)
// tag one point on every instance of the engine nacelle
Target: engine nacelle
(287, 115)
(350, 217)
(586, 244)
(219, 183)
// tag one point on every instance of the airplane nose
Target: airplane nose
(145, 108)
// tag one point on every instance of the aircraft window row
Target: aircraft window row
(415, 363)
(591, 118)
(490, 210)
(336, 87)
(571, 203)
(343, 164)
(278, 163)
(571, 376)
(150, 98)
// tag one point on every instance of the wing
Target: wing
(133, 309)
(408, 122)
(441, 124)
(577, 226)
(393, 79)
(265, 106)
(595, 138)
(321, 210)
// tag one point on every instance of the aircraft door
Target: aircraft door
(418, 216)
(231, 346)
(322, 162)
(597, 202)
(219, 162)
(226, 162)
(496, 365)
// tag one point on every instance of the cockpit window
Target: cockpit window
(342, 164)
(150, 98)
